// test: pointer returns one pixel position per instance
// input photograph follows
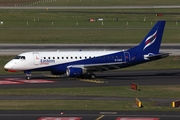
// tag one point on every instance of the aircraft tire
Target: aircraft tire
(92, 76)
(28, 77)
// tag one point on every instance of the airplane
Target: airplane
(85, 63)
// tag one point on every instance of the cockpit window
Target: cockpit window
(17, 57)
(20, 57)
(23, 57)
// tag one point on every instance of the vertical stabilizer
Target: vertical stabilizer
(151, 43)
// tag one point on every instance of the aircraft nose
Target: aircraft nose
(7, 66)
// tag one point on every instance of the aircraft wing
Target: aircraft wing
(101, 66)
(114, 65)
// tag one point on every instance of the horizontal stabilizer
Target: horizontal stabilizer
(157, 56)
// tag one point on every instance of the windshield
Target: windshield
(20, 57)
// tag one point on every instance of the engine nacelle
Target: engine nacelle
(75, 72)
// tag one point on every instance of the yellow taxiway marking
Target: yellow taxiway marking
(52, 75)
(100, 117)
(90, 80)
(93, 81)
(55, 76)
(99, 81)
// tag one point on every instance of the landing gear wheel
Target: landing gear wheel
(92, 76)
(28, 77)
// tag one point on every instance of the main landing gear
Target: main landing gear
(92, 76)
(88, 76)
(28, 75)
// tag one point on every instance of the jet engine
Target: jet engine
(75, 71)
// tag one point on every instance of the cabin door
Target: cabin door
(36, 58)
(127, 56)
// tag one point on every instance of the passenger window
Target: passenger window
(71, 57)
(75, 57)
(57, 57)
(53, 57)
(80, 57)
(66, 57)
(49, 58)
(44, 57)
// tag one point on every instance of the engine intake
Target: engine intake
(75, 72)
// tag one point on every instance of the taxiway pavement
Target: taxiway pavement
(88, 115)
(110, 78)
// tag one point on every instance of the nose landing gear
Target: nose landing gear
(28, 75)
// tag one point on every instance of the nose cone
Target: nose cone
(8, 67)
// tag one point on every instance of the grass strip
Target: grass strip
(82, 36)
(80, 105)
(93, 2)
(156, 91)
(51, 26)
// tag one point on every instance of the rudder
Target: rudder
(151, 43)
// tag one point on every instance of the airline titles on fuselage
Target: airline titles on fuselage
(46, 61)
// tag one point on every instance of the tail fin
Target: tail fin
(151, 43)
